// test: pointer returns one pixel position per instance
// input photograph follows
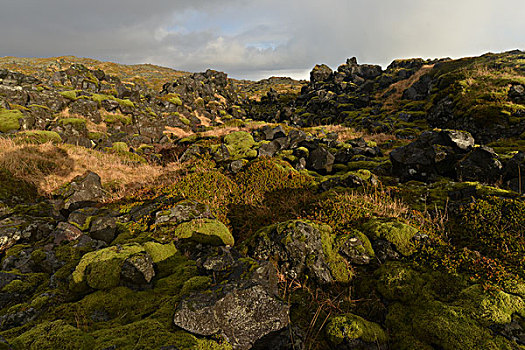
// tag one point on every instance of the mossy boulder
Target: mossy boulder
(355, 247)
(207, 231)
(37, 137)
(495, 307)
(13, 190)
(395, 232)
(9, 120)
(75, 123)
(305, 248)
(239, 145)
(350, 327)
(105, 268)
(50, 335)
(159, 252)
(430, 309)
(433, 323)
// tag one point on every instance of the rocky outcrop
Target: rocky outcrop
(449, 153)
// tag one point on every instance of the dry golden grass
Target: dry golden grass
(398, 88)
(178, 132)
(91, 126)
(204, 120)
(50, 166)
(346, 133)
(225, 130)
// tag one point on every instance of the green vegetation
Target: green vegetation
(122, 102)
(38, 137)
(76, 123)
(9, 120)
(70, 94)
(117, 118)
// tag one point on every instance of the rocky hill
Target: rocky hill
(144, 208)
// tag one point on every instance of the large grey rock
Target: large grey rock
(242, 315)
(184, 211)
(83, 191)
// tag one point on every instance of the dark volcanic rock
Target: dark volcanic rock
(482, 164)
(103, 228)
(183, 211)
(320, 73)
(83, 191)
(432, 154)
(514, 172)
(321, 160)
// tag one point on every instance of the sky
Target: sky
(259, 39)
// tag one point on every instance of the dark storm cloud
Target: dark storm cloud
(256, 39)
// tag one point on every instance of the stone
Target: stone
(237, 165)
(269, 149)
(82, 217)
(514, 172)
(85, 190)
(138, 270)
(66, 232)
(295, 137)
(204, 231)
(462, 140)
(12, 230)
(102, 269)
(183, 211)
(434, 153)
(482, 165)
(242, 315)
(320, 74)
(270, 133)
(300, 249)
(399, 234)
(103, 228)
(517, 93)
(320, 159)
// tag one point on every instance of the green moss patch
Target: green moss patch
(117, 118)
(70, 94)
(207, 231)
(395, 232)
(101, 269)
(77, 123)
(9, 120)
(240, 145)
(37, 137)
(49, 335)
(351, 327)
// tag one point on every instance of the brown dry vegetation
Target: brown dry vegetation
(50, 166)
(224, 130)
(346, 133)
(400, 86)
(178, 132)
